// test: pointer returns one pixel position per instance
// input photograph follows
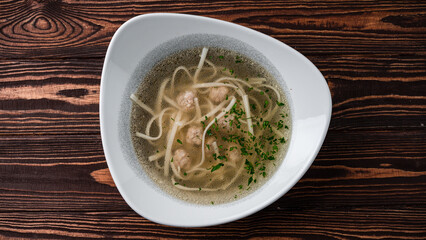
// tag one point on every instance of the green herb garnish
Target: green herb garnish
(249, 167)
(265, 105)
(249, 181)
(214, 168)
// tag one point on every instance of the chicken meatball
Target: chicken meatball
(186, 100)
(194, 135)
(226, 124)
(181, 159)
(218, 94)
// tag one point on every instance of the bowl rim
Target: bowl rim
(250, 211)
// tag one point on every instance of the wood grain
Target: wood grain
(373, 223)
(61, 29)
(367, 182)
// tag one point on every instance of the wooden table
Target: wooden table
(368, 181)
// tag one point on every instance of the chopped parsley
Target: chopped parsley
(266, 124)
(249, 167)
(249, 181)
(179, 141)
(280, 124)
(209, 132)
(265, 105)
(216, 167)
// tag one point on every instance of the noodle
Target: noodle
(200, 64)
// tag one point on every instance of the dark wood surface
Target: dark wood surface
(368, 181)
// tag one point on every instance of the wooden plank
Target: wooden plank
(58, 172)
(272, 222)
(64, 29)
(49, 97)
(61, 97)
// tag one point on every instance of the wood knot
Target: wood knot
(42, 23)
(103, 176)
(77, 93)
(46, 24)
(407, 21)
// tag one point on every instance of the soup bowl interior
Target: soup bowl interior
(143, 41)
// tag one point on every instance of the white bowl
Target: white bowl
(139, 44)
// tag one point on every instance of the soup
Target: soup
(209, 125)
